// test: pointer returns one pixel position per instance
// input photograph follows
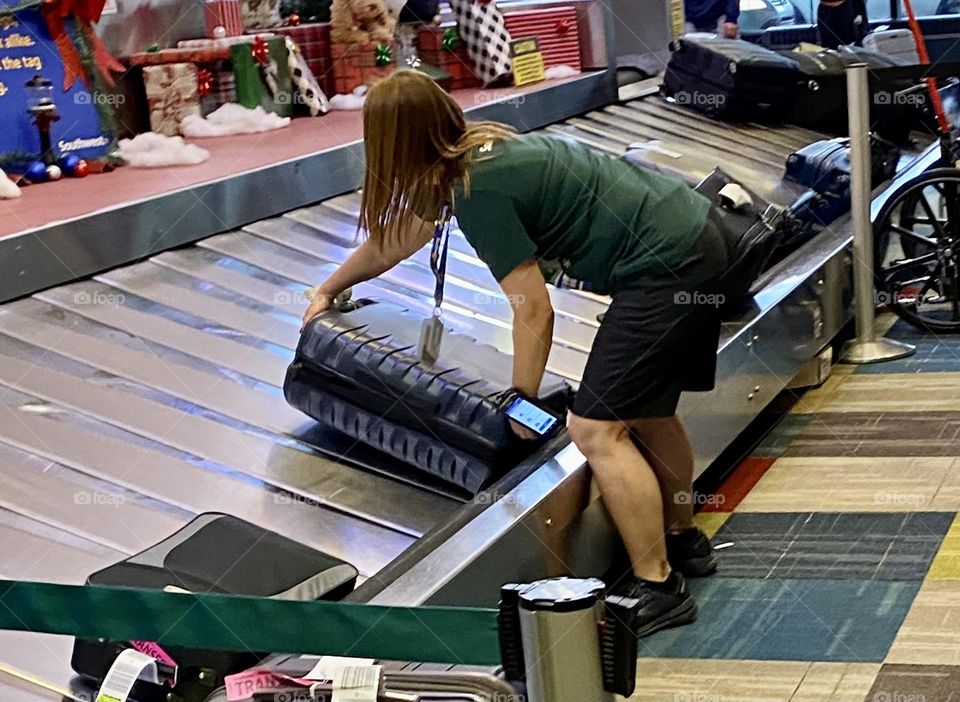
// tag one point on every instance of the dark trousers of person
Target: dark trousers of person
(841, 24)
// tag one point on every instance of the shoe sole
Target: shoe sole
(701, 567)
(683, 613)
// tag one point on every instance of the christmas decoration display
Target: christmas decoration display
(262, 73)
(308, 90)
(442, 47)
(232, 119)
(556, 30)
(52, 61)
(361, 22)
(8, 189)
(360, 64)
(223, 15)
(152, 150)
(313, 40)
(260, 14)
(171, 95)
(486, 38)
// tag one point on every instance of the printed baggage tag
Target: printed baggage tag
(357, 683)
(129, 667)
(327, 666)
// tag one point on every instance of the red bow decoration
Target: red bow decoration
(563, 26)
(204, 82)
(260, 50)
(86, 13)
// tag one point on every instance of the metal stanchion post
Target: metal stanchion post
(867, 347)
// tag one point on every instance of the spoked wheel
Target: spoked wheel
(917, 249)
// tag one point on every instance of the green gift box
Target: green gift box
(252, 88)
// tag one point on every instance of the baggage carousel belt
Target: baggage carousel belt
(139, 398)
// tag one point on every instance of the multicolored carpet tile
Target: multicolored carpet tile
(839, 547)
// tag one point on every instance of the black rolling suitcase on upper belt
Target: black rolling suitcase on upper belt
(730, 78)
(360, 372)
(214, 553)
(820, 100)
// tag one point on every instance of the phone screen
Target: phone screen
(531, 416)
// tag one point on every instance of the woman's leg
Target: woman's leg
(667, 450)
(630, 489)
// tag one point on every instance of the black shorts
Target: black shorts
(658, 338)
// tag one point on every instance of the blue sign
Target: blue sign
(25, 50)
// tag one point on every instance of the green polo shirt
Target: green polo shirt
(604, 220)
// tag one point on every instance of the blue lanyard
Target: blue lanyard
(438, 254)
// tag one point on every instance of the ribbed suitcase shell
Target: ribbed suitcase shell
(359, 372)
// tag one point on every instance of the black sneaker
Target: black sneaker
(659, 605)
(690, 553)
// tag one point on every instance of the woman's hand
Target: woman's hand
(319, 302)
(522, 431)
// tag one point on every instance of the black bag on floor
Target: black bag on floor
(820, 100)
(730, 78)
(360, 372)
(214, 553)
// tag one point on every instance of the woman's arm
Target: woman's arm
(526, 291)
(367, 262)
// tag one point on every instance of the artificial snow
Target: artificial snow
(351, 101)
(8, 189)
(561, 71)
(232, 118)
(152, 150)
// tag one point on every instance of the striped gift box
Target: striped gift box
(556, 29)
(223, 13)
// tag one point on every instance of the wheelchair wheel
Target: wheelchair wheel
(916, 239)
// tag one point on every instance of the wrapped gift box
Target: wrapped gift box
(223, 13)
(314, 42)
(456, 63)
(556, 29)
(171, 95)
(251, 87)
(210, 53)
(590, 20)
(260, 14)
(356, 64)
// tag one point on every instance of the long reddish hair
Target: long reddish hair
(418, 143)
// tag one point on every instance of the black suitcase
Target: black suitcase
(820, 101)
(221, 554)
(730, 78)
(359, 371)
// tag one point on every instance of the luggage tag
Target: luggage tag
(431, 333)
(129, 667)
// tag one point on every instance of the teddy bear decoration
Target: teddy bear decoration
(361, 22)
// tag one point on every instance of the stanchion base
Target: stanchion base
(881, 349)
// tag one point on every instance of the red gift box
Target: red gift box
(355, 65)
(223, 13)
(455, 62)
(555, 28)
(314, 43)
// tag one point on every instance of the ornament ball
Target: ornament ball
(54, 172)
(219, 32)
(82, 169)
(36, 172)
(294, 20)
(68, 163)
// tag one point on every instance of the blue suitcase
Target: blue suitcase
(824, 167)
